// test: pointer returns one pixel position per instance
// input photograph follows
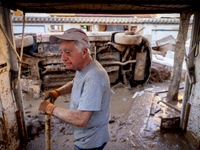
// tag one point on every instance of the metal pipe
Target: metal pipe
(21, 54)
(119, 63)
(126, 53)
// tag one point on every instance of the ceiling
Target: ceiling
(102, 6)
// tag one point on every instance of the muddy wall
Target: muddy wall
(9, 137)
(194, 115)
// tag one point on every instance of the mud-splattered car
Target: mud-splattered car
(126, 56)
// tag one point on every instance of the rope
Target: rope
(10, 42)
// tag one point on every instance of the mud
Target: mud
(131, 125)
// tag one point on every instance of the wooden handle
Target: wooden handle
(48, 130)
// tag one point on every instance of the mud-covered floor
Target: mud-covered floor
(131, 126)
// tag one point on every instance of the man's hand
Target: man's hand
(51, 94)
(47, 107)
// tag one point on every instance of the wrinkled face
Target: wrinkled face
(71, 56)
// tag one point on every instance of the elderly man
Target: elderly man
(90, 92)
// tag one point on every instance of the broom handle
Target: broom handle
(48, 131)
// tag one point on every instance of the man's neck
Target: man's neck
(87, 61)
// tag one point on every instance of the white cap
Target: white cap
(72, 34)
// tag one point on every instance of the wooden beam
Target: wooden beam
(179, 55)
(139, 11)
(110, 2)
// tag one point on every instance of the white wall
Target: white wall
(29, 29)
(155, 32)
(42, 28)
(149, 30)
(67, 26)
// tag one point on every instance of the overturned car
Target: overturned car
(126, 56)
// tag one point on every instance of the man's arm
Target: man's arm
(65, 89)
(75, 117)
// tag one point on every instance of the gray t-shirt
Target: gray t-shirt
(91, 92)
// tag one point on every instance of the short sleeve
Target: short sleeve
(73, 81)
(92, 95)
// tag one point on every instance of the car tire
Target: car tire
(155, 75)
(124, 39)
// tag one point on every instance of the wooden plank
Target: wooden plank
(154, 104)
(171, 106)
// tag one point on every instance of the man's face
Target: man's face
(71, 56)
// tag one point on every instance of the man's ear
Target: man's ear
(84, 52)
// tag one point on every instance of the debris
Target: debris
(27, 112)
(119, 128)
(114, 134)
(131, 133)
(166, 40)
(121, 139)
(158, 52)
(121, 123)
(131, 141)
(34, 125)
(28, 106)
(167, 47)
(31, 88)
(117, 117)
(151, 89)
(154, 75)
(170, 123)
(119, 85)
(135, 95)
(157, 110)
(149, 135)
(159, 57)
(138, 94)
(111, 121)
